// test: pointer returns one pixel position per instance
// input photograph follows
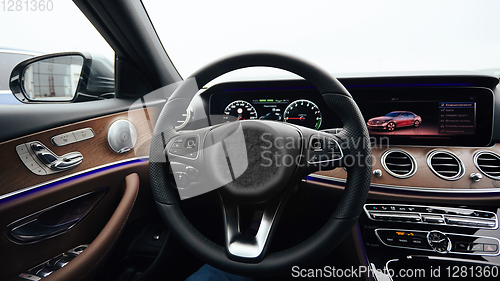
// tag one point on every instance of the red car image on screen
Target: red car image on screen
(395, 119)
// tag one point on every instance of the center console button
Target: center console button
(485, 224)
(462, 246)
(476, 247)
(410, 217)
(452, 220)
(490, 248)
(403, 241)
(388, 239)
(432, 219)
(417, 242)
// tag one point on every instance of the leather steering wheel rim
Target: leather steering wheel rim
(354, 133)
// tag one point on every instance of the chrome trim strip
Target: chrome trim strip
(479, 153)
(70, 176)
(461, 171)
(414, 165)
(412, 188)
(446, 233)
(386, 267)
(381, 274)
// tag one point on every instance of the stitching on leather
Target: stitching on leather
(114, 240)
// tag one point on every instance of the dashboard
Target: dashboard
(435, 189)
(427, 132)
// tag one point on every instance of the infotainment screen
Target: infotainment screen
(437, 116)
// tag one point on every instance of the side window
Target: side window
(31, 31)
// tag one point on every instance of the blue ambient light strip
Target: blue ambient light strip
(358, 86)
(71, 178)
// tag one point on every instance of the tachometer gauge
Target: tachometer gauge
(304, 113)
(239, 110)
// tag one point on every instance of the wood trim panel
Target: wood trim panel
(424, 177)
(96, 152)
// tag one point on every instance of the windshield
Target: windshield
(344, 37)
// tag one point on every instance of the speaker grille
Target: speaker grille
(445, 165)
(488, 163)
(399, 163)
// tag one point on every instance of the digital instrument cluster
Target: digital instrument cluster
(301, 105)
(300, 112)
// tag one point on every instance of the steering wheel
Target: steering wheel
(235, 158)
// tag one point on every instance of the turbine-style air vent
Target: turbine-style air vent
(488, 163)
(445, 165)
(399, 163)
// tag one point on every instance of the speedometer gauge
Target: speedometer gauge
(239, 110)
(304, 113)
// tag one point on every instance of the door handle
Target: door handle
(54, 220)
(35, 230)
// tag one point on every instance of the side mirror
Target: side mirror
(62, 77)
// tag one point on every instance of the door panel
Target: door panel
(23, 193)
(17, 258)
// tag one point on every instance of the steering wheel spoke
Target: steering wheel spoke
(249, 243)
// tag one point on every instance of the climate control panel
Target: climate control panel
(439, 242)
(432, 215)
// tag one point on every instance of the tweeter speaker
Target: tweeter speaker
(122, 136)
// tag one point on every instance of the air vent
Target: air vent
(399, 163)
(445, 165)
(488, 163)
